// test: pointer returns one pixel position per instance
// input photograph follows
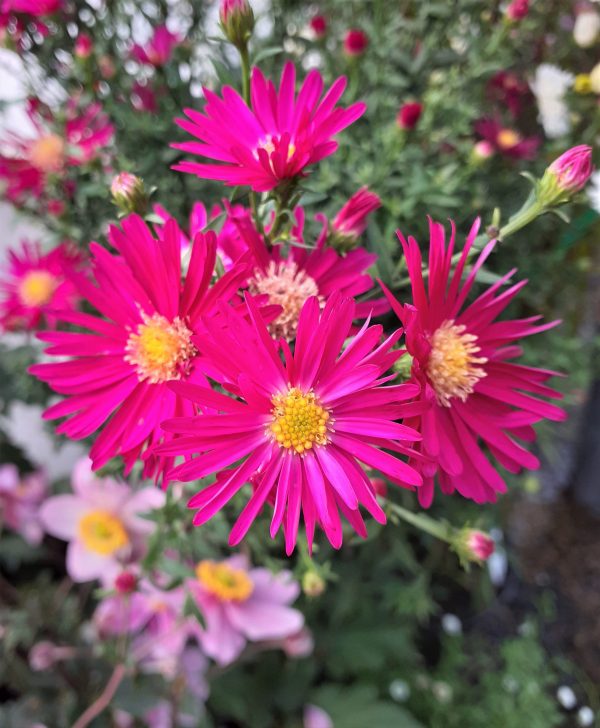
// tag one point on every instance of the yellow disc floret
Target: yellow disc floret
(507, 138)
(452, 366)
(37, 288)
(225, 582)
(299, 420)
(160, 349)
(102, 532)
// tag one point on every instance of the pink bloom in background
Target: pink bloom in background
(476, 395)
(275, 139)
(35, 8)
(351, 221)
(483, 150)
(83, 46)
(299, 429)
(355, 42)
(509, 90)
(289, 280)
(315, 717)
(101, 521)
(20, 499)
(318, 25)
(508, 142)
(35, 285)
(144, 97)
(517, 10)
(116, 379)
(573, 168)
(409, 115)
(159, 49)
(241, 604)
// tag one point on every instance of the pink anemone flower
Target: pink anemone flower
(116, 377)
(240, 604)
(37, 284)
(462, 360)
(20, 499)
(274, 140)
(298, 427)
(101, 520)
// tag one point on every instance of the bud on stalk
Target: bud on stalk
(237, 21)
(129, 193)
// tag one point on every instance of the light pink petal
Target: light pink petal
(60, 515)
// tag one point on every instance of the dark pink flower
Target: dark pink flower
(83, 46)
(274, 140)
(116, 379)
(355, 42)
(409, 115)
(318, 25)
(144, 97)
(351, 220)
(507, 141)
(299, 424)
(159, 49)
(35, 8)
(462, 360)
(37, 286)
(507, 89)
(517, 10)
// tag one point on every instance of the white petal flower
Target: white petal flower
(550, 85)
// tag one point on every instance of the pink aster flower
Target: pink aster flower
(298, 427)
(289, 278)
(20, 499)
(241, 604)
(507, 141)
(159, 49)
(35, 8)
(462, 360)
(101, 521)
(274, 140)
(37, 285)
(116, 379)
(355, 42)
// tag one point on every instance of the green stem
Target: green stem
(527, 214)
(423, 522)
(245, 61)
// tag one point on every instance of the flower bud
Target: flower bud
(318, 25)
(482, 151)
(586, 28)
(409, 115)
(565, 176)
(128, 193)
(237, 21)
(351, 221)
(125, 582)
(313, 585)
(379, 486)
(355, 42)
(83, 46)
(517, 10)
(473, 545)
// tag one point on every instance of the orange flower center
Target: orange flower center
(160, 349)
(299, 420)
(452, 366)
(102, 532)
(226, 583)
(507, 138)
(47, 153)
(288, 287)
(37, 288)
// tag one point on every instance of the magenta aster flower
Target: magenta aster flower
(119, 369)
(275, 139)
(36, 285)
(290, 278)
(462, 360)
(241, 604)
(159, 49)
(351, 221)
(101, 521)
(507, 141)
(35, 8)
(298, 429)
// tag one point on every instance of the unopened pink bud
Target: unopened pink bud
(351, 220)
(409, 115)
(83, 46)
(517, 10)
(355, 42)
(573, 168)
(483, 150)
(129, 193)
(237, 21)
(125, 583)
(480, 545)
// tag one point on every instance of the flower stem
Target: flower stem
(528, 213)
(99, 705)
(245, 61)
(425, 523)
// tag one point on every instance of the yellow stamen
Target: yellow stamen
(37, 288)
(160, 349)
(507, 138)
(225, 582)
(452, 366)
(102, 532)
(299, 421)
(47, 153)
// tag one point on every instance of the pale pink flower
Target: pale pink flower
(101, 521)
(315, 717)
(20, 498)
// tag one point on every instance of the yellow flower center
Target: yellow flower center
(583, 84)
(160, 349)
(37, 288)
(102, 532)
(226, 583)
(269, 146)
(299, 420)
(452, 366)
(288, 287)
(47, 153)
(507, 138)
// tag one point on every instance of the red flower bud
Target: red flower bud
(409, 115)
